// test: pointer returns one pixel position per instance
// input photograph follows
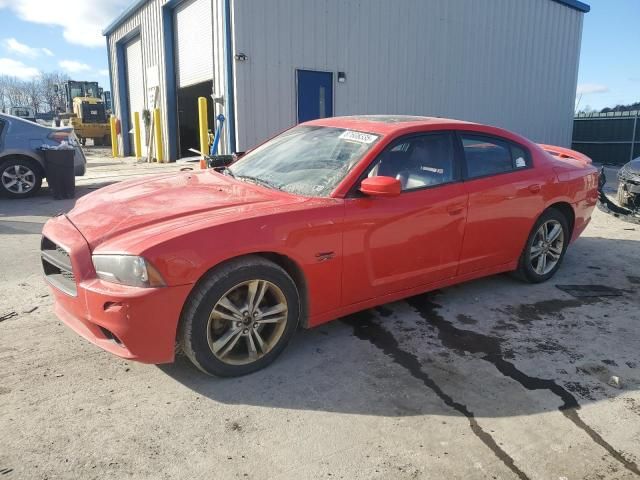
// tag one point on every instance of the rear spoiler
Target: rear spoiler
(562, 152)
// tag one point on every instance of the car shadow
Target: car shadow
(495, 347)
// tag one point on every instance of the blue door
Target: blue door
(315, 95)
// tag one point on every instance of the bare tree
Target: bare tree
(52, 91)
(16, 92)
(3, 97)
(33, 94)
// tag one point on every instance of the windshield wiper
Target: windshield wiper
(227, 171)
(257, 181)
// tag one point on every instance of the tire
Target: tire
(530, 268)
(207, 325)
(20, 178)
(97, 142)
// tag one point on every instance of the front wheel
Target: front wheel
(240, 317)
(545, 248)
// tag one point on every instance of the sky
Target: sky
(43, 35)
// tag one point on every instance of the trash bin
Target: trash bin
(60, 172)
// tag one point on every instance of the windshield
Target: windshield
(306, 160)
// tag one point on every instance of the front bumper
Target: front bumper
(131, 322)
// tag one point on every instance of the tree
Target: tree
(41, 93)
(622, 108)
(53, 96)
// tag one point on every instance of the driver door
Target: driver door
(414, 239)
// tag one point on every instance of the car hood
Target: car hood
(171, 200)
(633, 167)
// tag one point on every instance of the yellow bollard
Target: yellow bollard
(114, 136)
(204, 125)
(136, 134)
(158, 135)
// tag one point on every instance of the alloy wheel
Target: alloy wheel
(247, 322)
(18, 179)
(547, 246)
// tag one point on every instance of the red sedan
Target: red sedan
(330, 217)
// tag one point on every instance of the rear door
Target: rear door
(504, 200)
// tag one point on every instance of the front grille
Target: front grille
(57, 266)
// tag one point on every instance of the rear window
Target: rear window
(490, 156)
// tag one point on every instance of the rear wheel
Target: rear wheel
(545, 248)
(240, 317)
(19, 178)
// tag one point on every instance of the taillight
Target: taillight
(58, 136)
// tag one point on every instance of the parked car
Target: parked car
(330, 217)
(629, 185)
(22, 164)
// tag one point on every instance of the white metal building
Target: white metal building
(272, 63)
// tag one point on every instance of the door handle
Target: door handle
(535, 188)
(455, 209)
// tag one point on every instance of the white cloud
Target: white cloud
(82, 21)
(587, 88)
(104, 72)
(15, 68)
(73, 66)
(18, 48)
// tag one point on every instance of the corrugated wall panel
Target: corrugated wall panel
(510, 63)
(148, 20)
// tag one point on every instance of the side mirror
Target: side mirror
(381, 187)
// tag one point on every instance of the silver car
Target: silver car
(22, 162)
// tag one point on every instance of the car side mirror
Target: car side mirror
(381, 187)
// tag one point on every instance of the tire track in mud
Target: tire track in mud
(365, 328)
(491, 349)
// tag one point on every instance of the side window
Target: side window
(418, 162)
(520, 157)
(489, 156)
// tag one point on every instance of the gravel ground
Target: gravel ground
(489, 379)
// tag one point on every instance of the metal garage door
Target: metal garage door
(194, 42)
(135, 80)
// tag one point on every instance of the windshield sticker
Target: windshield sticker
(360, 137)
(520, 162)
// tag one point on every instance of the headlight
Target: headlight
(127, 270)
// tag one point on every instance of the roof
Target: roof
(136, 4)
(384, 124)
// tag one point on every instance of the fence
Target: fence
(608, 138)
